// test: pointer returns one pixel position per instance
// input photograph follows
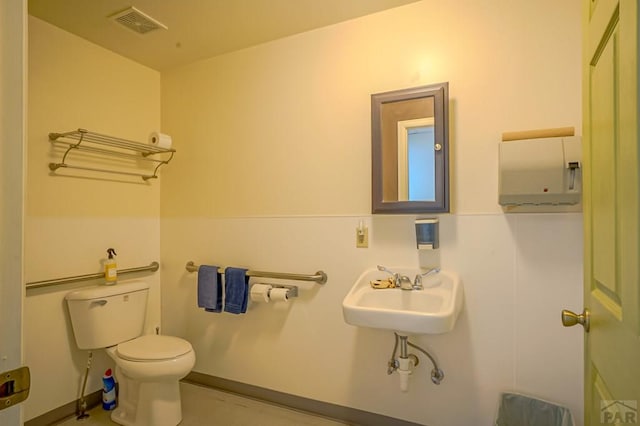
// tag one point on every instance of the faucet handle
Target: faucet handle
(417, 283)
(431, 271)
(395, 277)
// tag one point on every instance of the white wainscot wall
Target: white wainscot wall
(57, 247)
(519, 272)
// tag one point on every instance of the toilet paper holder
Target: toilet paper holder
(269, 292)
(292, 290)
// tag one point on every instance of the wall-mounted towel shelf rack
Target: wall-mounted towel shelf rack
(153, 266)
(103, 145)
(319, 277)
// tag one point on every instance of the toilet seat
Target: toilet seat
(153, 347)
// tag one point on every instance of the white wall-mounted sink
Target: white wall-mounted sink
(432, 310)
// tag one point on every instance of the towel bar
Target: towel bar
(319, 277)
(111, 146)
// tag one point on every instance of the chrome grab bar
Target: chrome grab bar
(153, 266)
(319, 277)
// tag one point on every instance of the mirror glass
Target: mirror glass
(410, 149)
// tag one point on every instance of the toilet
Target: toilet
(148, 367)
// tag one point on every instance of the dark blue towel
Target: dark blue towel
(236, 290)
(209, 288)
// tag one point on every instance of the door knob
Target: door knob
(569, 319)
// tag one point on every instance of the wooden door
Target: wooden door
(611, 222)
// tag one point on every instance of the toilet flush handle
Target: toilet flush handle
(100, 302)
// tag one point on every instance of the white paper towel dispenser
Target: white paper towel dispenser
(544, 172)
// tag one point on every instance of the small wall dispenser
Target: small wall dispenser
(540, 171)
(427, 234)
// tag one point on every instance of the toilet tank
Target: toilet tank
(104, 316)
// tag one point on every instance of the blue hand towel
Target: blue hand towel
(209, 288)
(236, 285)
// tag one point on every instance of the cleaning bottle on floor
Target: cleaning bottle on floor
(108, 391)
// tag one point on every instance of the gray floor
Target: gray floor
(206, 406)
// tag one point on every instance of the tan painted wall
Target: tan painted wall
(71, 221)
(274, 174)
(300, 106)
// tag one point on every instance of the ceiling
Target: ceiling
(198, 29)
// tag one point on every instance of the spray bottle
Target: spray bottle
(108, 391)
(110, 268)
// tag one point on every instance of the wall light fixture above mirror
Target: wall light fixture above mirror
(410, 150)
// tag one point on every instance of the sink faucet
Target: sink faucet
(402, 281)
(405, 283)
(417, 283)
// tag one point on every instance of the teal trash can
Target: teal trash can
(521, 410)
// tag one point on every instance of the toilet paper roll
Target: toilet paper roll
(260, 293)
(279, 295)
(160, 140)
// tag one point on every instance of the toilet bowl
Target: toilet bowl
(148, 369)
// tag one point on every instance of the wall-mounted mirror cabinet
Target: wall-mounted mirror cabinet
(410, 150)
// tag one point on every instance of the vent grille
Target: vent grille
(137, 21)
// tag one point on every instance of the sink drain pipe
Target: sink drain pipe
(405, 364)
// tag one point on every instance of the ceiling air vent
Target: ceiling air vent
(137, 21)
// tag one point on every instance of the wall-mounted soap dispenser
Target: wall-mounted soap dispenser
(427, 234)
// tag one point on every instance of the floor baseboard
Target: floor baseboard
(65, 411)
(337, 412)
(347, 415)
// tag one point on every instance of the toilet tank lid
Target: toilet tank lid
(96, 292)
